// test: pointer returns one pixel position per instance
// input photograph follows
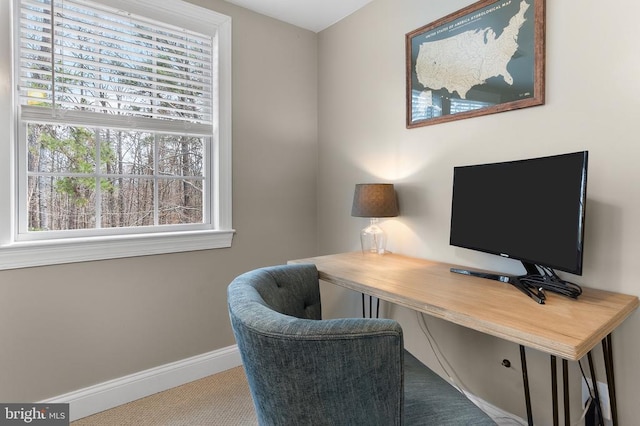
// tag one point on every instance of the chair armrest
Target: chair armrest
(343, 371)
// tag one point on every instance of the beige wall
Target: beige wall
(63, 328)
(67, 327)
(593, 103)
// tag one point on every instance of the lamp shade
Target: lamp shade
(374, 200)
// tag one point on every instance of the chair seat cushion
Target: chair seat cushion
(431, 400)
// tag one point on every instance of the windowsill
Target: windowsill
(41, 253)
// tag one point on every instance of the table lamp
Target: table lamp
(374, 200)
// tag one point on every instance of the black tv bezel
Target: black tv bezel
(531, 264)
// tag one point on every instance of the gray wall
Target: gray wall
(593, 94)
(67, 327)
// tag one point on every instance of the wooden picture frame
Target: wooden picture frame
(486, 58)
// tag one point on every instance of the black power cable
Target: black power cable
(548, 280)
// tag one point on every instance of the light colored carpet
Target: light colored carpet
(222, 399)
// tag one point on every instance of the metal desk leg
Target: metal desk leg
(525, 380)
(565, 384)
(607, 349)
(364, 315)
(554, 389)
(596, 393)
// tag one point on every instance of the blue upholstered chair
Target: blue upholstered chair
(306, 371)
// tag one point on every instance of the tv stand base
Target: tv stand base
(535, 293)
(534, 283)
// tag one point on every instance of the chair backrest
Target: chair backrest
(306, 371)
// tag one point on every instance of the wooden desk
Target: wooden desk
(561, 327)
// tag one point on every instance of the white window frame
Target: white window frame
(20, 254)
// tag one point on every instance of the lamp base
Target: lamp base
(373, 239)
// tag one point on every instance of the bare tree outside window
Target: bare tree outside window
(124, 144)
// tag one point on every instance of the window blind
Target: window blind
(81, 61)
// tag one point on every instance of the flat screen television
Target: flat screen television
(532, 210)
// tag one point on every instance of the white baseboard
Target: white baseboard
(103, 396)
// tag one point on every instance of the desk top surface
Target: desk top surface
(563, 327)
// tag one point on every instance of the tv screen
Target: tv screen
(532, 210)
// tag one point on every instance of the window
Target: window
(122, 129)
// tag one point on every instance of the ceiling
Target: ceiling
(314, 15)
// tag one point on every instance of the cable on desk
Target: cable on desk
(548, 280)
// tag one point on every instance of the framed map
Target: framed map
(485, 58)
